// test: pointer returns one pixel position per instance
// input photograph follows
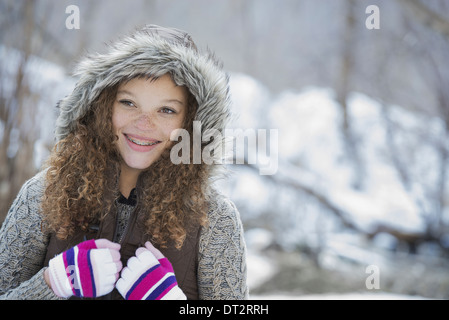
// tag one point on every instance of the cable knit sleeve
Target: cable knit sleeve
(23, 246)
(222, 253)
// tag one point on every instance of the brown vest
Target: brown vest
(184, 261)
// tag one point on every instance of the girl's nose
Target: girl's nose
(144, 122)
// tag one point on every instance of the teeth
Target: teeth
(141, 143)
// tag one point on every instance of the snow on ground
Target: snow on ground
(259, 267)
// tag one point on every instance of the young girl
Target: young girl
(111, 216)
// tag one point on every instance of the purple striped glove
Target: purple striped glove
(149, 276)
(89, 269)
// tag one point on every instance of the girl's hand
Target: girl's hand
(89, 269)
(149, 276)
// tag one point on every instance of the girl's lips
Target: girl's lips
(140, 140)
(140, 144)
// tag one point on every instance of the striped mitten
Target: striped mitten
(149, 276)
(89, 269)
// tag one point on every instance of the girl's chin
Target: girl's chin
(136, 166)
(137, 163)
(138, 160)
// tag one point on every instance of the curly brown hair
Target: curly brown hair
(83, 172)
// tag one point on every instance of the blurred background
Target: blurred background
(358, 207)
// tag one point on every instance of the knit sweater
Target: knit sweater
(23, 246)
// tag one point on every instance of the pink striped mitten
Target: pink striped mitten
(149, 276)
(89, 269)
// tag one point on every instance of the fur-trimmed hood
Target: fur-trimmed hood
(151, 51)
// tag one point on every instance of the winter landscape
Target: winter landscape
(309, 222)
(357, 206)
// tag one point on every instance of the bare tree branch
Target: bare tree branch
(428, 17)
(412, 239)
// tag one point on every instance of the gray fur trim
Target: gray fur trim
(148, 53)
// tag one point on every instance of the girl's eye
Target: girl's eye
(167, 110)
(127, 103)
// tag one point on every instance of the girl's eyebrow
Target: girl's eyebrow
(173, 101)
(125, 92)
(163, 101)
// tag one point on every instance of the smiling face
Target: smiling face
(145, 112)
